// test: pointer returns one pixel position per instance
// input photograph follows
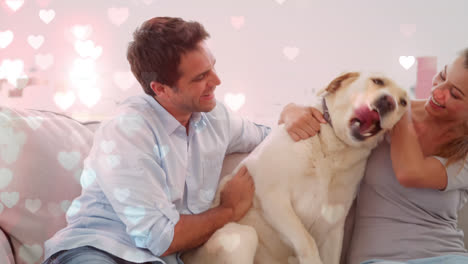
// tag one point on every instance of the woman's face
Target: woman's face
(449, 95)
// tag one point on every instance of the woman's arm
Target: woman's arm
(411, 168)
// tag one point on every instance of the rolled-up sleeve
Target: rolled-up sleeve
(128, 170)
(457, 174)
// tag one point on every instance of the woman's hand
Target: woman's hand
(301, 122)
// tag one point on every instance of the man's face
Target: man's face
(195, 88)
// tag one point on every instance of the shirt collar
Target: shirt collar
(169, 121)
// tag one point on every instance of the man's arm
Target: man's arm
(236, 199)
(193, 230)
(301, 122)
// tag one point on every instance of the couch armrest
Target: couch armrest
(6, 254)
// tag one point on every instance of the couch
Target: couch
(41, 157)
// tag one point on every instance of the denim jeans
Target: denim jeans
(87, 255)
(448, 259)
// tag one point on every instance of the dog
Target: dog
(304, 189)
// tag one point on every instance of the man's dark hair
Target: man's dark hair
(157, 47)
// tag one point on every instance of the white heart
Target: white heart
(12, 70)
(69, 160)
(207, 195)
(88, 176)
(234, 101)
(15, 4)
(34, 122)
(74, 208)
(82, 31)
(407, 61)
(44, 61)
(332, 213)
(54, 209)
(64, 100)
(89, 96)
(30, 253)
(77, 175)
(134, 214)
(10, 199)
(88, 49)
(33, 205)
(290, 52)
(280, 1)
(200, 125)
(130, 123)
(161, 151)
(35, 41)
(6, 37)
(64, 205)
(6, 175)
(230, 242)
(237, 22)
(139, 237)
(12, 142)
(107, 146)
(112, 161)
(117, 15)
(121, 194)
(47, 15)
(124, 80)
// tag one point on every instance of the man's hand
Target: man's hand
(238, 193)
(301, 122)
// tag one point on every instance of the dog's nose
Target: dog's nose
(385, 104)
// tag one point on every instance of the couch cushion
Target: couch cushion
(41, 157)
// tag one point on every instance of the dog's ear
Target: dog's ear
(338, 81)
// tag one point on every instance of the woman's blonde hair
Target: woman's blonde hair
(457, 149)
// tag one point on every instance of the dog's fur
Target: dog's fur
(304, 189)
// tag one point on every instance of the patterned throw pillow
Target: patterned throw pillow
(41, 159)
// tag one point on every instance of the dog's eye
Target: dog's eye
(403, 102)
(378, 81)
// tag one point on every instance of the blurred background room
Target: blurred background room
(70, 56)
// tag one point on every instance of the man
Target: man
(154, 168)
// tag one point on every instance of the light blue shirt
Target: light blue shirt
(143, 171)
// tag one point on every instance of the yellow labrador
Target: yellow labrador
(303, 190)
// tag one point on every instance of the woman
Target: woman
(406, 210)
(414, 186)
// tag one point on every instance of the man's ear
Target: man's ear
(339, 81)
(158, 88)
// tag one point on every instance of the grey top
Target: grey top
(398, 223)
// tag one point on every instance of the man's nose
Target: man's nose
(215, 79)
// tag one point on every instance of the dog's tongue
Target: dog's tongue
(367, 117)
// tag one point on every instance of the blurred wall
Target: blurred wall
(269, 52)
